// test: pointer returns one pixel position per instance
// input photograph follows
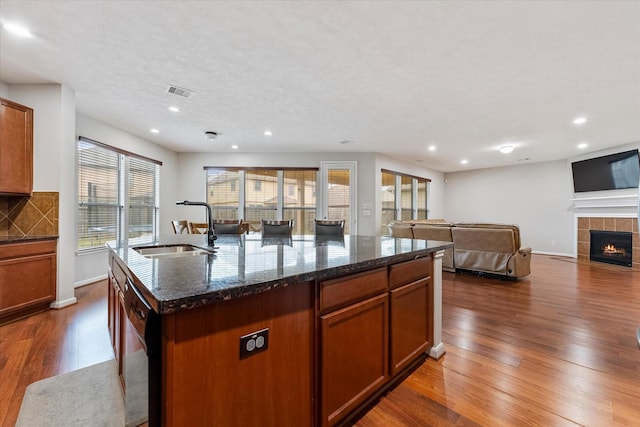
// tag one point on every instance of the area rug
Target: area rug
(90, 396)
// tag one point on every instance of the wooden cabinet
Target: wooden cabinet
(116, 317)
(16, 148)
(27, 278)
(354, 356)
(411, 321)
(354, 341)
(206, 381)
(373, 325)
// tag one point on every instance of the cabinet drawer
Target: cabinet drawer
(27, 249)
(409, 271)
(118, 274)
(346, 290)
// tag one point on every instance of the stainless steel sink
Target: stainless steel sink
(171, 251)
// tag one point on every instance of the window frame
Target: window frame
(281, 191)
(415, 209)
(120, 186)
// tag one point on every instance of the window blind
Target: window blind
(111, 183)
(98, 195)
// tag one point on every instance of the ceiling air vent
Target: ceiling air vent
(179, 91)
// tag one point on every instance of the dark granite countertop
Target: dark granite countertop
(4, 240)
(246, 265)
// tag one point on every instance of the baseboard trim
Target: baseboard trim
(90, 281)
(64, 303)
(553, 254)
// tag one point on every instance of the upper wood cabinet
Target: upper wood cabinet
(16, 149)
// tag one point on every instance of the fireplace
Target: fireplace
(613, 247)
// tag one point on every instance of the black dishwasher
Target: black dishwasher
(141, 360)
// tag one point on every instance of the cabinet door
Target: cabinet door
(410, 322)
(355, 349)
(112, 304)
(16, 148)
(26, 282)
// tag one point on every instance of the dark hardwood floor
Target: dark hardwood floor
(557, 348)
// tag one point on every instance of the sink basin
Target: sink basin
(171, 251)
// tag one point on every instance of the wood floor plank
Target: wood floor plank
(557, 348)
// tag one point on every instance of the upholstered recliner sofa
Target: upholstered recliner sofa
(480, 247)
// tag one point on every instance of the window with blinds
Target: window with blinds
(254, 194)
(223, 194)
(388, 197)
(117, 196)
(299, 201)
(404, 197)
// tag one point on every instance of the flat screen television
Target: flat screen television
(612, 172)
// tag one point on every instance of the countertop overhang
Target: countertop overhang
(247, 265)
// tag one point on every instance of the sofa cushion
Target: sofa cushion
(401, 230)
(513, 227)
(432, 232)
(483, 249)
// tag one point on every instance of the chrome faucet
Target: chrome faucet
(211, 233)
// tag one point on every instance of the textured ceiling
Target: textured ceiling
(392, 77)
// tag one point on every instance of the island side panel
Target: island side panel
(206, 383)
(437, 351)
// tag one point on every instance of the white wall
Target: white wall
(93, 266)
(54, 166)
(535, 196)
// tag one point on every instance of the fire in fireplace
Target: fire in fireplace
(613, 247)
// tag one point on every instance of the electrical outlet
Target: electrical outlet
(253, 343)
(553, 243)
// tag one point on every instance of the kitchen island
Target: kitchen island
(297, 332)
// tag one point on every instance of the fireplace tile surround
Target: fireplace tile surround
(585, 224)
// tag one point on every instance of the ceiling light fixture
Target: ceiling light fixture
(210, 134)
(174, 109)
(432, 148)
(154, 131)
(506, 149)
(580, 121)
(583, 145)
(235, 147)
(267, 133)
(17, 29)
(464, 161)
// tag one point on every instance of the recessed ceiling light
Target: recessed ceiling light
(174, 109)
(506, 149)
(579, 120)
(267, 133)
(432, 148)
(210, 134)
(583, 145)
(17, 29)
(464, 161)
(154, 131)
(235, 147)
(345, 142)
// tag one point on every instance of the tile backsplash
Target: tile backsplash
(29, 216)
